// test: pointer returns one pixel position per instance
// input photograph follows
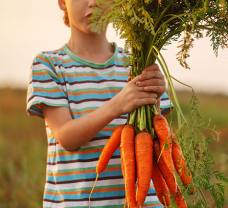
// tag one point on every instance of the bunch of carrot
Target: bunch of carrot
(146, 157)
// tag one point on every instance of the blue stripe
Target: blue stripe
(104, 133)
(51, 140)
(85, 195)
(164, 96)
(96, 78)
(78, 64)
(45, 77)
(82, 176)
(81, 156)
(49, 94)
(94, 195)
(91, 96)
(45, 63)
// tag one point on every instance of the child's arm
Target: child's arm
(72, 133)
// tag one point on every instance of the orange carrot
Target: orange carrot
(108, 150)
(162, 131)
(168, 174)
(144, 164)
(122, 163)
(127, 146)
(180, 163)
(160, 186)
(179, 199)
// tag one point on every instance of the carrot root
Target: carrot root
(179, 199)
(163, 133)
(144, 164)
(180, 163)
(160, 186)
(127, 146)
(167, 173)
(94, 185)
(108, 150)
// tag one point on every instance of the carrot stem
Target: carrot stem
(149, 122)
(132, 117)
(165, 69)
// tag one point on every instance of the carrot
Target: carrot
(179, 199)
(162, 131)
(180, 163)
(168, 174)
(160, 186)
(127, 146)
(108, 150)
(144, 164)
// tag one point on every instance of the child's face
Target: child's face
(78, 13)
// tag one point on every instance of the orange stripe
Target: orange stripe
(111, 74)
(80, 75)
(99, 190)
(43, 59)
(67, 61)
(83, 171)
(40, 73)
(65, 153)
(95, 91)
(45, 90)
(108, 128)
(50, 135)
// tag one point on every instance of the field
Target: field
(23, 146)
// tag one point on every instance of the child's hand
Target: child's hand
(142, 90)
(152, 80)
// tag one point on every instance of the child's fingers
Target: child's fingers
(135, 80)
(143, 95)
(156, 89)
(145, 101)
(152, 67)
(151, 75)
(151, 82)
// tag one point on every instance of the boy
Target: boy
(81, 91)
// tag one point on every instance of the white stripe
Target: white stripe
(75, 69)
(52, 148)
(107, 84)
(165, 103)
(86, 104)
(45, 85)
(85, 203)
(95, 203)
(53, 102)
(84, 184)
(68, 166)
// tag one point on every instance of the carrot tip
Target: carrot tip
(94, 185)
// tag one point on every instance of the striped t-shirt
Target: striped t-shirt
(60, 78)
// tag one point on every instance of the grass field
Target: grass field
(23, 146)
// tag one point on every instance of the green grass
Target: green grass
(23, 146)
(22, 153)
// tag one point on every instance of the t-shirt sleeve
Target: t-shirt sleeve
(165, 103)
(45, 87)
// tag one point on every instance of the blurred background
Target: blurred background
(28, 27)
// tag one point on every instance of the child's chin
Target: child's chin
(90, 31)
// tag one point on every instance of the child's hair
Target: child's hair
(66, 18)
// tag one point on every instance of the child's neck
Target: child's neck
(92, 47)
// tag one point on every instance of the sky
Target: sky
(31, 26)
